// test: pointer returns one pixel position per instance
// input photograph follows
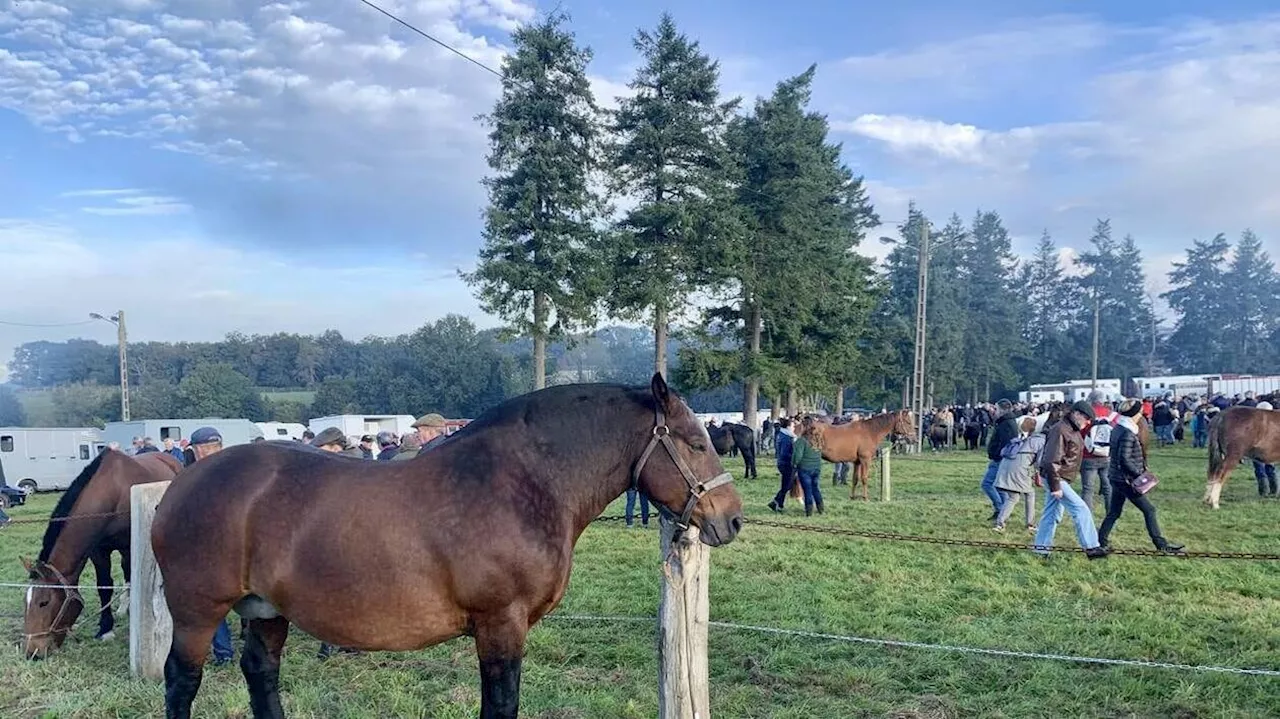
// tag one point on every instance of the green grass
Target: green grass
(1174, 610)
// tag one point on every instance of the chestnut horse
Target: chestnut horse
(53, 601)
(472, 538)
(857, 441)
(1235, 434)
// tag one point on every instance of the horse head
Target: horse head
(681, 471)
(52, 606)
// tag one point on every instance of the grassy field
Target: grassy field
(1164, 609)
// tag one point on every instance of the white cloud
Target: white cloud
(323, 89)
(187, 289)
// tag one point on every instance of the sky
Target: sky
(224, 165)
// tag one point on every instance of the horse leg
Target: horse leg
(184, 668)
(260, 663)
(101, 559)
(750, 456)
(126, 567)
(864, 468)
(500, 646)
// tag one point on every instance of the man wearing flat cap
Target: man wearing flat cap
(331, 439)
(431, 430)
(1059, 465)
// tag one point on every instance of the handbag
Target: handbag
(1144, 482)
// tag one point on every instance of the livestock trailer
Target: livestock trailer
(43, 459)
(233, 431)
(358, 425)
(281, 430)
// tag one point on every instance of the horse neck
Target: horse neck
(880, 426)
(71, 549)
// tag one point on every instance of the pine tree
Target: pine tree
(1252, 295)
(991, 305)
(1198, 298)
(1044, 324)
(1114, 285)
(537, 268)
(669, 154)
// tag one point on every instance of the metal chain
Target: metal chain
(925, 645)
(13, 585)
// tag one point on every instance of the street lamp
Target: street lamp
(122, 338)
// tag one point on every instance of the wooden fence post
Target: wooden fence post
(886, 484)
(682, 624)
(150, 626)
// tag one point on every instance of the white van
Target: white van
(281, 430)
(43, 459)
(233, 431)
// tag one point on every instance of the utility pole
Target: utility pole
(1097, 318)
(922, 296)
(122, 338)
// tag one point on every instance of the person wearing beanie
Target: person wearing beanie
(1059, 465)
(1127, 464)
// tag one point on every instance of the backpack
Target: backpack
(1098, 441)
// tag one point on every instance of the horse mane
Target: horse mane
(65, 504)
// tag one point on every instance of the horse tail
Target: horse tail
(1217, 445)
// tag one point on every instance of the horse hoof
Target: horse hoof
(108, 636)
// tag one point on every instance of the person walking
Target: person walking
(808, 466)
(1059, 465)
(1127, 464)
(1006, 432)
(1016, 479)
(783, 445)
(1097, 453)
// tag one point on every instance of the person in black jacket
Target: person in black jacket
(1127, 464)
(1006, 431)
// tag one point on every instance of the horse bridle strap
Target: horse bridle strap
(71, 591)
(662, 435)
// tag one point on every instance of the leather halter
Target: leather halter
(662, 435)
(71, 591)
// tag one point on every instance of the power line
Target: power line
(441, 43)
(499, 74)
(48, 325)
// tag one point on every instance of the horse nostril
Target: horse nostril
(736, 524)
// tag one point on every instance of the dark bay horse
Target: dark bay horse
(474, 538)
(729, 436)
(1235, 434)
(857, 441)
(53, 604)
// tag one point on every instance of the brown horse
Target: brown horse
(102, 492)
(857, 441)
(473, 538)
(1235, 434)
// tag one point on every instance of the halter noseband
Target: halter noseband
(662, 435)
(71, 591)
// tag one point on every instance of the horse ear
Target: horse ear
(26, 564)
(661, 391)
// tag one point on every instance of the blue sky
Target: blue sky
(218, 165)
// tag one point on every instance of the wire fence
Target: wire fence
(119, 591)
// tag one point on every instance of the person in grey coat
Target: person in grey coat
(1127, 464)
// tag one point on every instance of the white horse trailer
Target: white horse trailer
(233, 431)
(358, 425)
(43, 459)
(281, 430)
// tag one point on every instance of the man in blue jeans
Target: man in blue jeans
(783, 444)
(1059, 465)
(203, 443)
(1006, 432)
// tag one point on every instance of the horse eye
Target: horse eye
(699, 447)
(45, 603)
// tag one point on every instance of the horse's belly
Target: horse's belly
(378, 624)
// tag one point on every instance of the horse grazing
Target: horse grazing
(53, 601)
(857, 441)
(472, 538)
(730, 436)
(1235, 434)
